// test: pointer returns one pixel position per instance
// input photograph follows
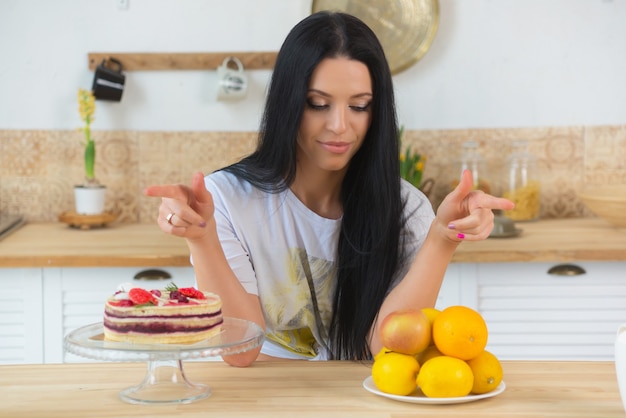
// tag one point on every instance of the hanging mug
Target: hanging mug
(108, 81)
(232, 84)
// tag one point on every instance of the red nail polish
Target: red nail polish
(460, 235)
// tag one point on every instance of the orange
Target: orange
(487, 372)
(460, 332)
(395, 373)
(445, 377)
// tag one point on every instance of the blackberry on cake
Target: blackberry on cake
(169, 316)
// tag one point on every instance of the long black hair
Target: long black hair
(370, 238)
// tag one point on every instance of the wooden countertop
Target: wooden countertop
(144, 245)
(301, 389)
(590, 239)
(58, 245)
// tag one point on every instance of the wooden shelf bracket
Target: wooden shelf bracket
(183, 60)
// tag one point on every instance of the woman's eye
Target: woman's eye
(361, 108)
(324, 106)
(316, 106)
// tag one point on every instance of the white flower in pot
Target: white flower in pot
(89, 196)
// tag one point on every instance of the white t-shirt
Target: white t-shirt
(279, 250)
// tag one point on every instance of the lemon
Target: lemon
(431, 314)
(487, 372)
(395, 373)
(429, 353)
(445, 377)
(382, 351)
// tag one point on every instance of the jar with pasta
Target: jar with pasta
(521, 184)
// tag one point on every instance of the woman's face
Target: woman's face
(336, 116)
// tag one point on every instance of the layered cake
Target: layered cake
(170, 316)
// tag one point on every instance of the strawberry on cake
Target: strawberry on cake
(170, 316)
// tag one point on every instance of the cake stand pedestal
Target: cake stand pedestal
(165, 381)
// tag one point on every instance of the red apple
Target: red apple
(406, 331)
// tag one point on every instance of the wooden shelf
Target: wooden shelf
(183, 60)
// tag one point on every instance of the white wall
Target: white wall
(494, 63)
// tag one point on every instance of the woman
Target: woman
(314, 236)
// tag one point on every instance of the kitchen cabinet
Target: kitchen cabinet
(21, 314)
(40, 306)
(458, 287)
(532, 314)
(55, 279)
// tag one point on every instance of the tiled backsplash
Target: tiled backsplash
(38, 169)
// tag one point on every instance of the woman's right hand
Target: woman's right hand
(184, 211)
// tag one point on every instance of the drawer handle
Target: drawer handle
(153, 274)
(566, 270)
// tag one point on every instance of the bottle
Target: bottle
(473, 161)
(521, 184)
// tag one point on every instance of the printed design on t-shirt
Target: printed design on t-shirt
(289, 307)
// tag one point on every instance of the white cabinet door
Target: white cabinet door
(532, 314)
(21, 317)
(75, 297)
(458, 287)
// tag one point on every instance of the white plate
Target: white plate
(418, 397)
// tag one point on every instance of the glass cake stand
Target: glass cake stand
(165, 380)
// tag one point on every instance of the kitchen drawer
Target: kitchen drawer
(532, 314)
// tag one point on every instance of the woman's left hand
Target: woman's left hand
(466, 214)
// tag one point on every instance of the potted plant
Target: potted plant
(89, 196)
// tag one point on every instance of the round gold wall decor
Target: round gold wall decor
(405, 28)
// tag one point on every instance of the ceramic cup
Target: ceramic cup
(232, 83)
(620, 361)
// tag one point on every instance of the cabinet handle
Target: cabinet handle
(566, 270)
(152, 274)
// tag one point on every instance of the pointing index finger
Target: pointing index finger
(492, 202)
(171, 191)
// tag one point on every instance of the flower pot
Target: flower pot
(89, 200)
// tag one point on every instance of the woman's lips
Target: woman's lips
(336, 147)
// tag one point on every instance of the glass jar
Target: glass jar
(472, 160)
(521, 184)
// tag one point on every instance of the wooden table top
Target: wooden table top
(301, 389)
(145, 245)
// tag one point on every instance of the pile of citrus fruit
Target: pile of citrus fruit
(440, 352)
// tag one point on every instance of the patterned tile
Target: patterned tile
(38, 169)
(160, 162)
(605, 155)
(559, 153)
(171, 158)
(24, 154)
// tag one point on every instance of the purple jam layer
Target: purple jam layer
(157, 327)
